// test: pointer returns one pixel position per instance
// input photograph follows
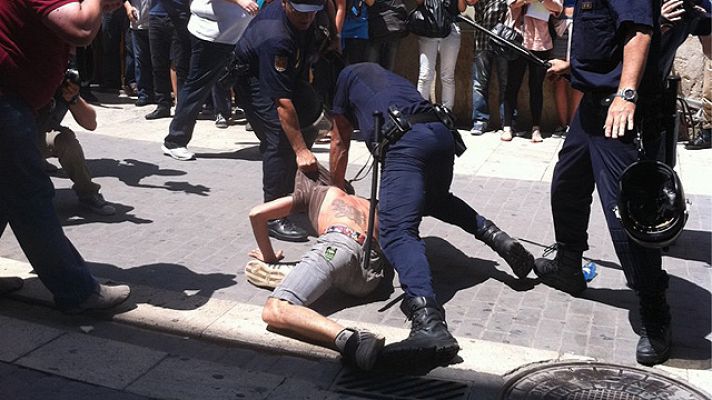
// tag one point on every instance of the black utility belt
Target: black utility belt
(398, 125)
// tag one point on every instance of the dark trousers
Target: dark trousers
(207, 61)
(169, 42)
(113, 25)
(279, 165)
(144, 69)
(515, 76)
(485, 62)
(26, 204)
(384, 50)
(417, 174)
(130, 59)
(589, 159)
(355, 51)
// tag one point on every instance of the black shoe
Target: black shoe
(87, 95)
(8, 285)
(160, 112)
(143, 101)
(284, 229)
(429, 344)
(702, 141)
(519, 259)
(655, 333)
(563, 273)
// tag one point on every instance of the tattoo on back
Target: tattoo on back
(342, 209)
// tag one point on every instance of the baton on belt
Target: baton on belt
(500, 41)
(378, 148)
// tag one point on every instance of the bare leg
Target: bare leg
(561, 97)
(301, 320)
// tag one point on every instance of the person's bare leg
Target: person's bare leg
(302, 320)
(174, 82)
(576, 96)
(561, 98)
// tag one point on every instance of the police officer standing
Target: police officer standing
(273, 58)
(417, 173)
(614, 53)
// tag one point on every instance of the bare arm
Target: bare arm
(471, 2)
(519, 4)
(341, 132)
(259, 216)
(461, 5)
(635, 53)
(340, 15)
(555, 6)
(290, 125)
(82, 112)
(78, 23)
(370, 2)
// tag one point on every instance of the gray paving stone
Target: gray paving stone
(20, 337)
(198, 379)
(93, 360)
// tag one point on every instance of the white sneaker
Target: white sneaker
(179, 153)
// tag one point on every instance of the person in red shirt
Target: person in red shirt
(35, 39)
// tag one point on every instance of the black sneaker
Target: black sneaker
(284, 229)
(702, 141)
(160, 112)
(221, 122)
(96, 204)
(143, 101)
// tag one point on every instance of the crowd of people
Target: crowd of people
(607, 60)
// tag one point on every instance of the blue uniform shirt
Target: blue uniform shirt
(277, 53)
(364, 88)
(597, 43)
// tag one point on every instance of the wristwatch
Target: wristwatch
(628, 94)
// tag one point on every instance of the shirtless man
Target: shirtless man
(335, 260)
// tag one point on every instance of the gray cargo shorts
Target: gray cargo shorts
(335, 260)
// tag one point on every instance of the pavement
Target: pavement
(181, 239)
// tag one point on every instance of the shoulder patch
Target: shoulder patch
(280, 63)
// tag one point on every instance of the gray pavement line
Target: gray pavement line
(239, 323)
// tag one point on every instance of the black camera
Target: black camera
(72, 75)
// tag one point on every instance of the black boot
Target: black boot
(8, 285)
(655, 333)
(429, 344)
(563, 272)
(519, 259)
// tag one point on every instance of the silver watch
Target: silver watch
(628, 94)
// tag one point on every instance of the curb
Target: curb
(238, 323)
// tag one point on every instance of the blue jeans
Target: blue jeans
(207, 61)
(485, 60)
(26, 204)
(384, 50)
(144, 69)
(417, 174)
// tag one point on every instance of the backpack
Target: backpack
(431, 19)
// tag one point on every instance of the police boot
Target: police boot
(8, 285)
(519, 259)
(563, 272)
(429, 341)
(655, 333)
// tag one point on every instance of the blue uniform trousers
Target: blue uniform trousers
(26, 204)
(587, 158)
(417, 174)
(279, 165)
(207, 61)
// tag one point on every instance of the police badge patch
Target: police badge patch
(280, 63)
(330, 253)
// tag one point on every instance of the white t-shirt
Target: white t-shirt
(218, 21)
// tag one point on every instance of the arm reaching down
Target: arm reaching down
(259, 217)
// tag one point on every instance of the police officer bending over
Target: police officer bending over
(273, 58)
(417, 173)
(614, 52)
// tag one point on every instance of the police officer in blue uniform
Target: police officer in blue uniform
(614, 54)
(273, 58)
(417, 173)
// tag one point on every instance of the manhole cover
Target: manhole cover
(596, 381)
(398, 387)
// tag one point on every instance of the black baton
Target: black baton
(506, 43)
(378, 148)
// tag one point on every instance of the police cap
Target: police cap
(307, 6)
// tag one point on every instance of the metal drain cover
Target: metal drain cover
(398, 387)
(596, 381)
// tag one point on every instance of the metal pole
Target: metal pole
(376, 146)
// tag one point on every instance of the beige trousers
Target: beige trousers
(64, 145)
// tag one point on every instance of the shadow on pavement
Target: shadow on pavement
(247, 154)
(132, 172)
(454, 270)
(693, 246)
(180, 288)
(691, 308)
(71, 212)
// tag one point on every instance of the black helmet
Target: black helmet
(651, 204)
